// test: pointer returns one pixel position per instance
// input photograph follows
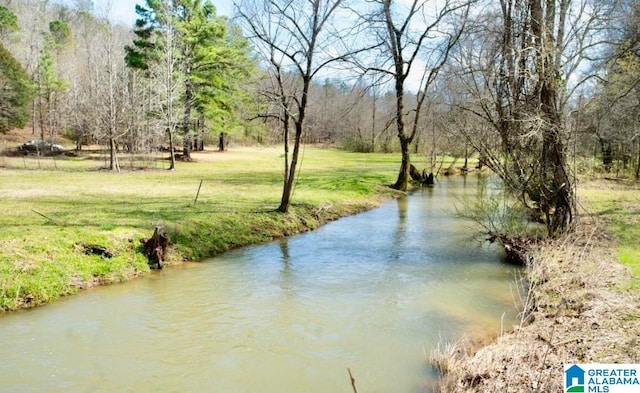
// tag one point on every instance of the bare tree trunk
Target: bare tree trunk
(41, 118)
(555, 187)
(402, 182)
(637, 177)
(465, 168)
(373, 120)
(113, 155)
(291, 173)
(290, 176)
(607, 153)
(172, 165)
(186, 121)
(169, 94)
(395, 40)
(222, 142)
(285, 119)
(402, 46)
(293, 31)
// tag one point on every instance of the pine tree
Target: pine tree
(48, 83)
(15, 92)
(15, 89)
(211, 58)
(8, 22)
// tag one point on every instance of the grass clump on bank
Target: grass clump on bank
(53, 218)
(582, 304)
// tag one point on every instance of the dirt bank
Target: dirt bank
(581, 309)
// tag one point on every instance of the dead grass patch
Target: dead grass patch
(580, 313)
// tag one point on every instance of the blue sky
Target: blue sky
(124, 10)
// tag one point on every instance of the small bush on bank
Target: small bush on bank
(500, 218)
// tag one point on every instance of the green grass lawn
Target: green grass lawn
(619, 205)
(52, 209)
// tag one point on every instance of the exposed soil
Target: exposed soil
(581, 309)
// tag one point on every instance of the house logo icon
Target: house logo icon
(574, 379)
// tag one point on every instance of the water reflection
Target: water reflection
(286, 273)
(397, 246)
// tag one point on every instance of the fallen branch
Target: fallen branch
(48, 218)
(353, 381)
(565, 342)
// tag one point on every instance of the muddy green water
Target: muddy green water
(372, 293)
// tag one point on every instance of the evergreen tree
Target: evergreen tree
(211, 58)
(15, 89)
(222, 66)
(144, 51)
(15, 92)
(8, 22)
(154, 52)
(48, 83)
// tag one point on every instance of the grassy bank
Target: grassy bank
(617, 205)
(583, 304)
(55, 211)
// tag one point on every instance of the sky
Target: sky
(124, 11)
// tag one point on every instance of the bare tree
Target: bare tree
(608, 119)
(160, 65)
(166, 75)
(111, 87)
(521, 65)
(413, 40)
(294, 37)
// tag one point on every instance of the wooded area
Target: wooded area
(536, 89)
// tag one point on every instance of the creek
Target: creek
(373, 293)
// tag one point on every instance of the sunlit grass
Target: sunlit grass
(619, 204)
(50, 214)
